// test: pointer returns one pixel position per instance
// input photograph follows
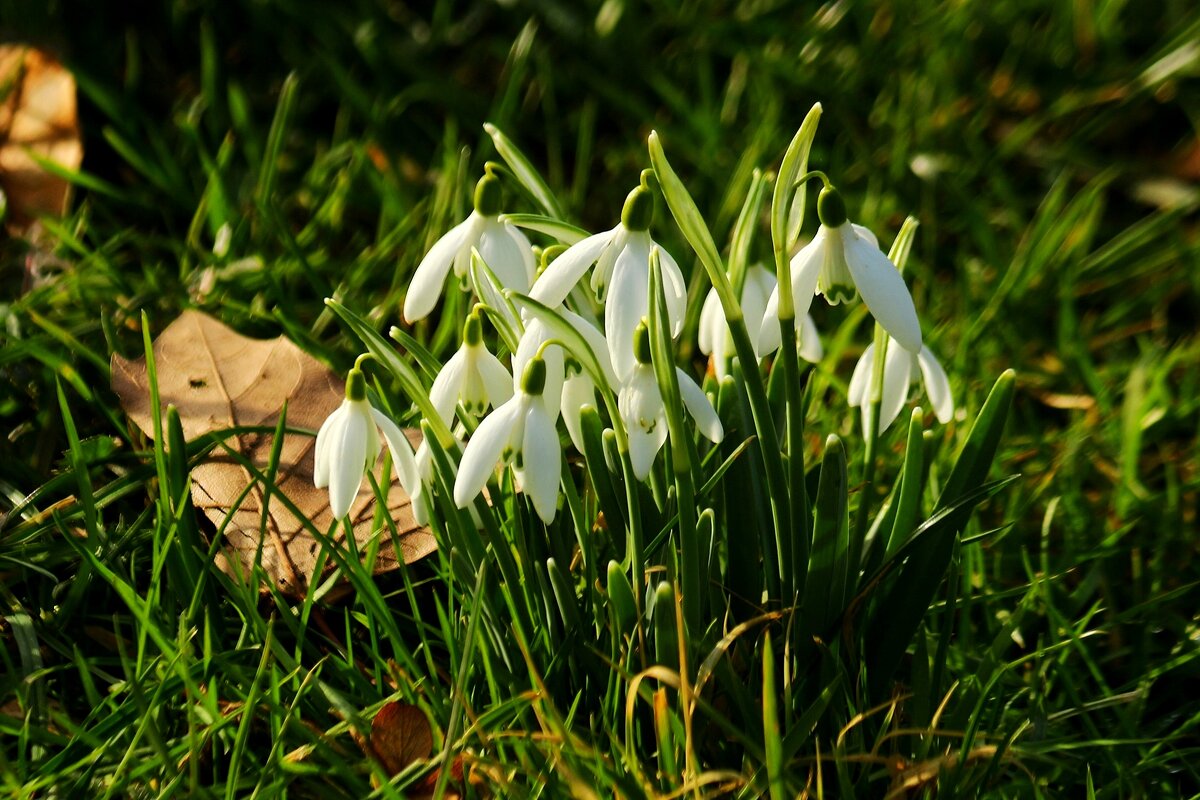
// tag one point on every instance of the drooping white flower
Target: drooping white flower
(621, 277)
(900, 370)
(348, 444)
(842, 262)
(714, 338)
(501, 245)
(521, 432)
(641, 406)
(568, 386)
(472, 376)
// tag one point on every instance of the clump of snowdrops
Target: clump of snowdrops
(618, 523)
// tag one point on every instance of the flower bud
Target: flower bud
(831, 209)
(488, 195)
(533, 381)
(641, 343)
(620, 598)
(638, 212)
(356, 385)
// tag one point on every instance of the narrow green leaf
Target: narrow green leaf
(564, 232)
(666, 638)
(786, 195)
(829, 566)
(743, 231)
(525, 172)
(270, 163)
(912, 485)
(772, 741)
(975, 459)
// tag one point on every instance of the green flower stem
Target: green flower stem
(687, 216)
(792, 544)
(681, 456)
(571, 340)
(898, 256)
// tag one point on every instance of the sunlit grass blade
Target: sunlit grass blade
(525, 172)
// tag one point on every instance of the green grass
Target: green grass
(339, 142)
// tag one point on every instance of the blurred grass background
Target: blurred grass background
(1050, 150)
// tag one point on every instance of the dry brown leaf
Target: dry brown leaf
(400, 734)
(38, 115)
(218, 379)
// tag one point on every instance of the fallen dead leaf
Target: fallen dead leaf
(400, 735)
(218, 379)
(38, 116)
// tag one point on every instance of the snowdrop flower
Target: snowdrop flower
(500, 244)
(900, 369)
(641, 405)
(520, 431)
(714, 332)
(348, 444)
(842, 262)
(472, 376)
(621, 277)
(568, 387)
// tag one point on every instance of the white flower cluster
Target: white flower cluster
(842, 262)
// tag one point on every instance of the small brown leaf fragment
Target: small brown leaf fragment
(400, 735)
(38, 116)
(218, 379)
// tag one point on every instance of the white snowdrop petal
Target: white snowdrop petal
(810, 340)
(937, 385)
(596, 341)
(426, 285)
(448, 385)
(860, 379)
(627, 304)
(503, 255)
(897, 376)
(712, 324)
(526, 251)
(883, 290)
(403, 460)
(542, 460)
(326, 434)
(697, 403)
(577, 391)
(420, 506)
(553, 285)
(497, 382)
(806, 269)
(769, 335)
(602, 275)
(499, 430)
(866, 233)
(643, 447)
(349, 449)
(674, 288)
(755, 294)
(374, 445)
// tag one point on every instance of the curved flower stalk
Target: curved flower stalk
(521, 432)
(348, 444)
(641, 405)
(842, 262)
(714, 339)
(900, 370)
(501, 245)
(621, 277)
(473, 376)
